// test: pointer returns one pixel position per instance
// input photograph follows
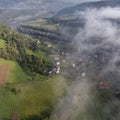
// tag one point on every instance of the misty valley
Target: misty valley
(59, 60)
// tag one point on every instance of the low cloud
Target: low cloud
(97, 44)
(100, 35)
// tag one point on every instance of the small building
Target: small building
(58, 70)
(38, 41)
(49, 45)
(57, 63)
(83, 74)
(103, 85)
(56, 58)
(73, 65)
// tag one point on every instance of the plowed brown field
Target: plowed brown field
(3, 73)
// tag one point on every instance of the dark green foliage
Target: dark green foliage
(34, 46)
(15, 44)
(37, 32)
(34, 99)
(43, 116)
(15, 49)
(35, 64)
(105, 96)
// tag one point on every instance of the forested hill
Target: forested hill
(26, 51)
(27, 89)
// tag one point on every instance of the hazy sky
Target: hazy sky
(79, 1)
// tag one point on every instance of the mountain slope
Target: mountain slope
(17, 48)
(14, 12)
(32, 4)
(87, 5)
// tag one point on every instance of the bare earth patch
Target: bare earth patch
(3, 73)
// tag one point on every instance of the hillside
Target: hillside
(27, 90)
(34, 4)
(87, 5)
(15, 12)
(46, 29)
(24, 50)
(64, 67)
(34, 99)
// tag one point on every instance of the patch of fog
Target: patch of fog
(98, 42)
(75, 102)
(100, 34)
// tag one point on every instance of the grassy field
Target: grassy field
(37, 22)
(2, 43)
(15, 73)
(34, 97)
(6, 103)
(43, 24)
(50, 27)
(40, 95)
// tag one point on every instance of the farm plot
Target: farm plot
(3, 73)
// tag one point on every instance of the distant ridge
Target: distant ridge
(86, 5)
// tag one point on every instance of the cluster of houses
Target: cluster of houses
(58, 62)
(57, 67)
(79, 66)
(45, 43)
(103, 85)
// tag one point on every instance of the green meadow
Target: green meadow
(15, 73)
(43, 24)
(33, 97)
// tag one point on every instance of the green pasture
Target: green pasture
(15, 73)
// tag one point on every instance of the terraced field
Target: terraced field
(42, 23)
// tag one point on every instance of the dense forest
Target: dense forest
(16, 47)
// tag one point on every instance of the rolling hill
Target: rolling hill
(25, 91)
(88, 5)
(14, 12)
